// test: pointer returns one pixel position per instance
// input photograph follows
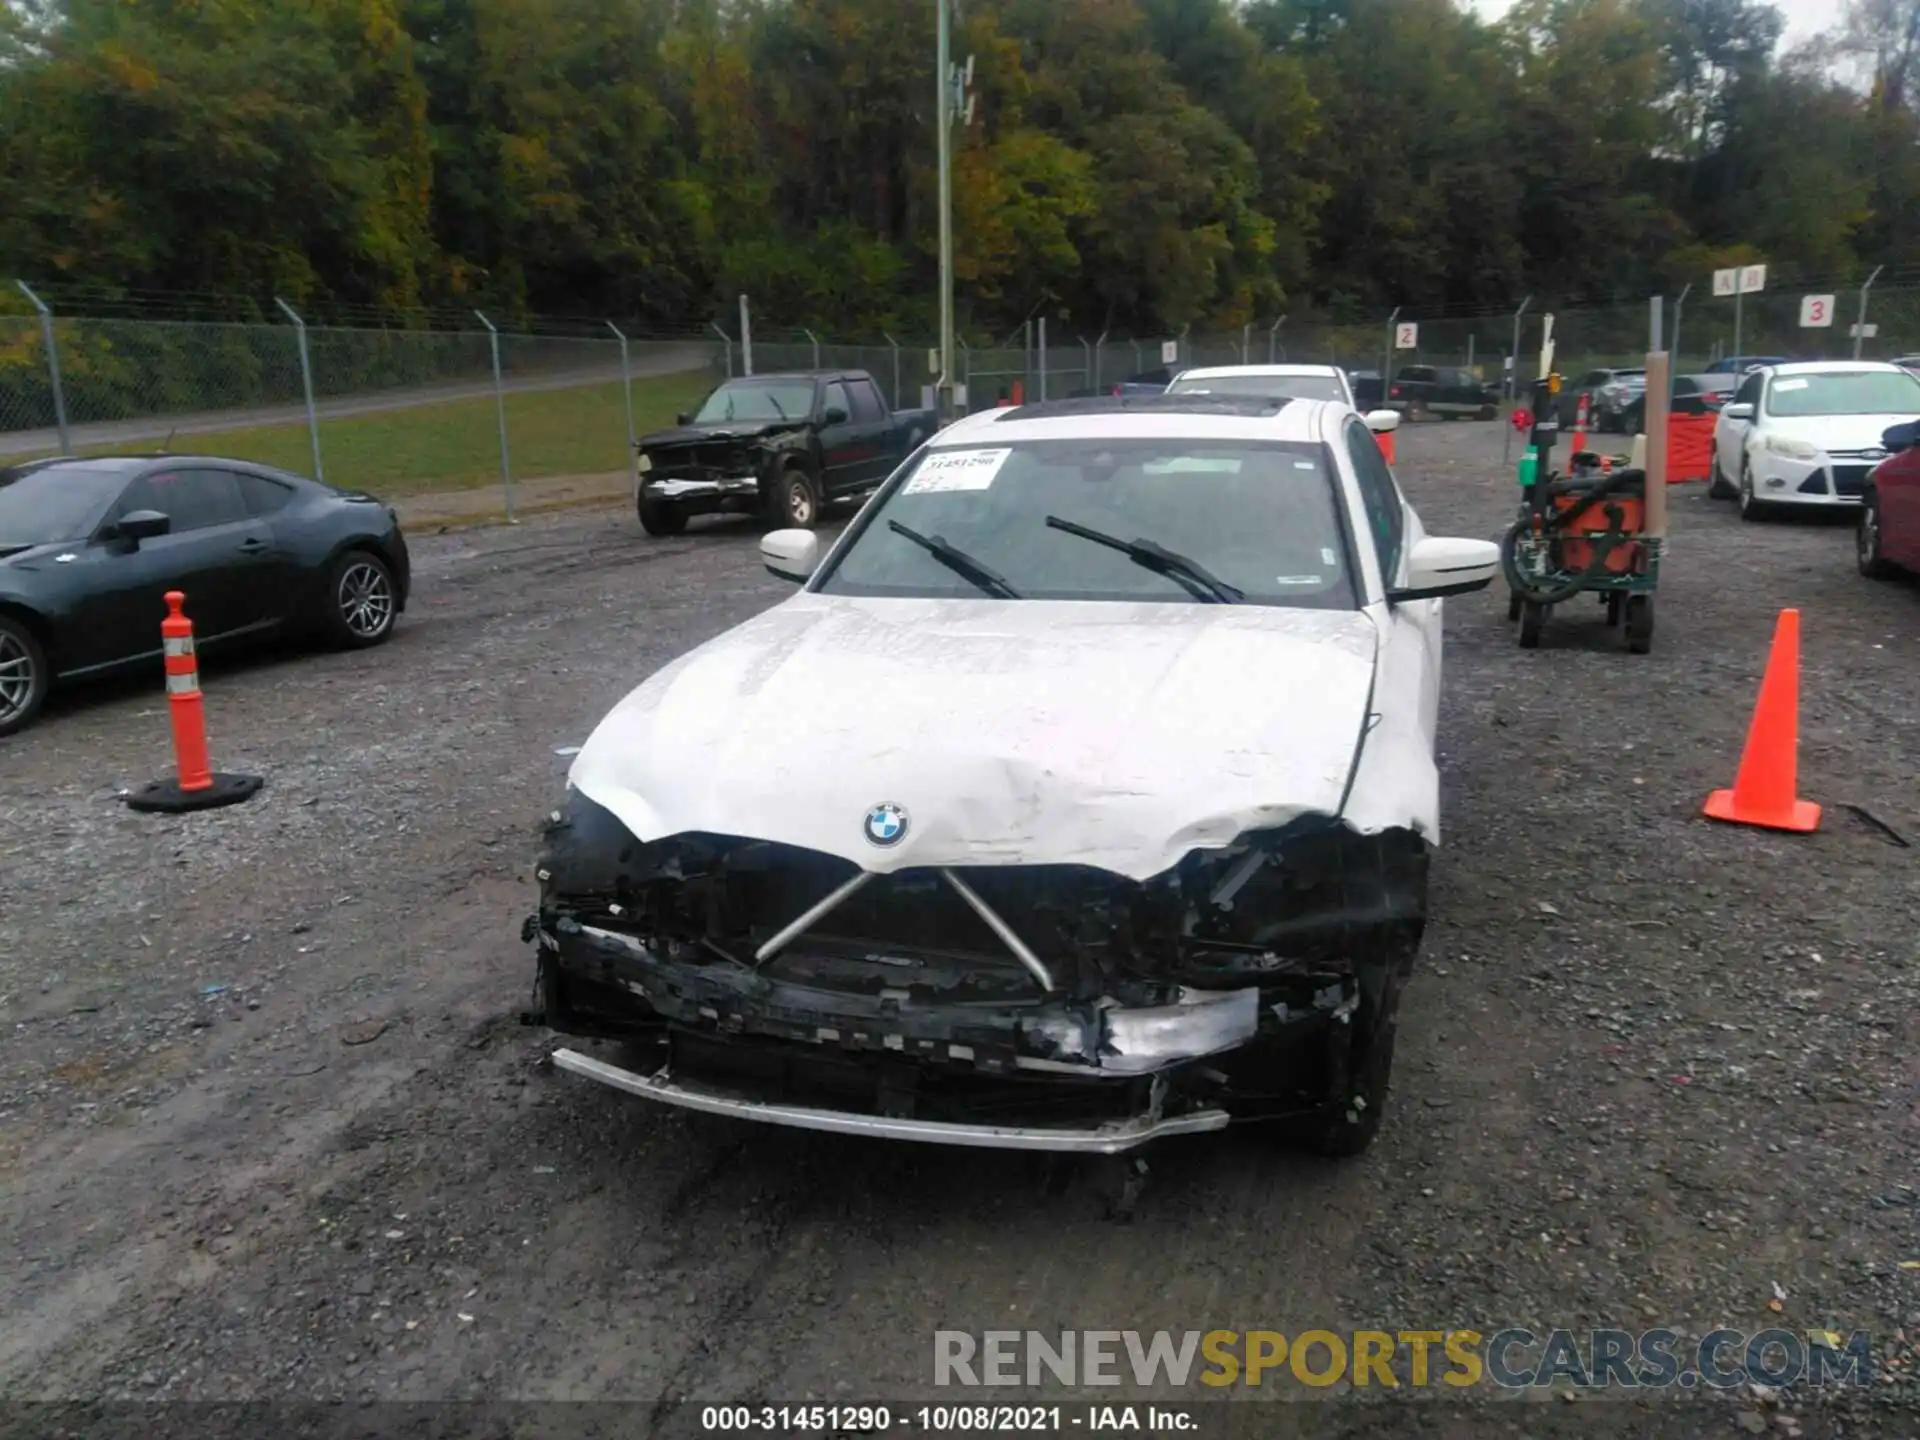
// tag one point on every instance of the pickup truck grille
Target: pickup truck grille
(712, 461)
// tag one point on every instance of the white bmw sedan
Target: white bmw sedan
(1083, 794)
(1808, 434)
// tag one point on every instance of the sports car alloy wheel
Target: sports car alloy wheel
(366, 600)
(17, 677)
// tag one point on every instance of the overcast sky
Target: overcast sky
(1805, 18)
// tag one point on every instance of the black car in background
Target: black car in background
(88, 548)
(1441, 390)
(1692, 395)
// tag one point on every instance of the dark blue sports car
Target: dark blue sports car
(89, 546)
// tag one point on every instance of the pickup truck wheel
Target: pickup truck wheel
(660, 518)
(798, 502)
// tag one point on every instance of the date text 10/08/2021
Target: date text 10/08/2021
(945, 1419)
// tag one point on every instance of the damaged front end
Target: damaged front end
(1049, 1007)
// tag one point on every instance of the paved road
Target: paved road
(651, 361)
(270, 1126)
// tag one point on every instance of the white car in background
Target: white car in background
(1295, 382)
(1083, 794)
(1808, 434)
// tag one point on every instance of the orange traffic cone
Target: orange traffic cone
(1385, 437)
(1764, 792)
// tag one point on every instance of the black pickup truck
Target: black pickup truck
(1441, 390)
(782, 446)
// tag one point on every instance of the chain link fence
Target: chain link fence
(413, 410)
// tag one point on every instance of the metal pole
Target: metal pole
(1513, 382)
(1183, 352)
(1386, 371)
(1086, 364)
(1470, 339)
(1099, 357)
(306, 383)
(966, 369)
(746, 339)
(1273, 336)
(1860, 325)
(626, 394)
(813, 340)
(1654, 318)
(1042, 332)
(1679, 310)
(1026, 351)
(894, 345)
(500, 410)
(1739, 294)
(1246, 342)
(53, 367)
(943, 129)
(726, 340)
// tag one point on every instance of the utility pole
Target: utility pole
(951, 82)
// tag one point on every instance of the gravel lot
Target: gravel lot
(271, 1128)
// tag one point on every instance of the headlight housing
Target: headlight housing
(644, 464)
(1788, 448)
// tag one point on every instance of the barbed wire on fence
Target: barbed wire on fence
(74, 381)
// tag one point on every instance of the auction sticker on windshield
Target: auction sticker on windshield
(956, 470)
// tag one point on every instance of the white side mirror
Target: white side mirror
(1438, 565)
(1742, 411)
(1383, 422)
(791, 554)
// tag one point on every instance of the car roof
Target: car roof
(1143, 417)
(1833, 367)
(1222, 372)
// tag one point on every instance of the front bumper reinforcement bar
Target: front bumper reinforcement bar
(1112, 1138)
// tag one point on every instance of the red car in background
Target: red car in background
(1888, 536)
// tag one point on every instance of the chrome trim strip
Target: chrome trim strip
(1110, 1139)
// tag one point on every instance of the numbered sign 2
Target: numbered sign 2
(1816, 311)
(1406, 336)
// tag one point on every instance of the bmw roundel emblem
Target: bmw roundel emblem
(886, 824)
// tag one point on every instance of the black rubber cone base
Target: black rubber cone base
(167, 796)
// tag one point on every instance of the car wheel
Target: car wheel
(1866, 545)
(1348, 1124)
(1487, 412)
(362, 601)
(1751, 507)
(25, 676)
(657, 518)
(799, 499)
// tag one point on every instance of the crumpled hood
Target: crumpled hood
(720, 430)
(1119, 736)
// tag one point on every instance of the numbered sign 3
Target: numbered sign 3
(1816, 311)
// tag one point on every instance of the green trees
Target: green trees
(1135, 164)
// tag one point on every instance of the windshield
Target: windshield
(758, 400)
(54, 503)
(1292, 387)
(1223, 521)
(1845, 392)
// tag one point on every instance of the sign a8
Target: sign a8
(1816, 311)
(1406, 336)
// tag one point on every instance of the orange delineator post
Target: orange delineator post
(1577, 440)
(1385, 437)
(196, 786)
(1764, 791)
(184, 702)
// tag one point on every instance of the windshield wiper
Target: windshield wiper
(774, 400)
(958, 561)
(1178, 568)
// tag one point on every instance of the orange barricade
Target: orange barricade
(1689, 447)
